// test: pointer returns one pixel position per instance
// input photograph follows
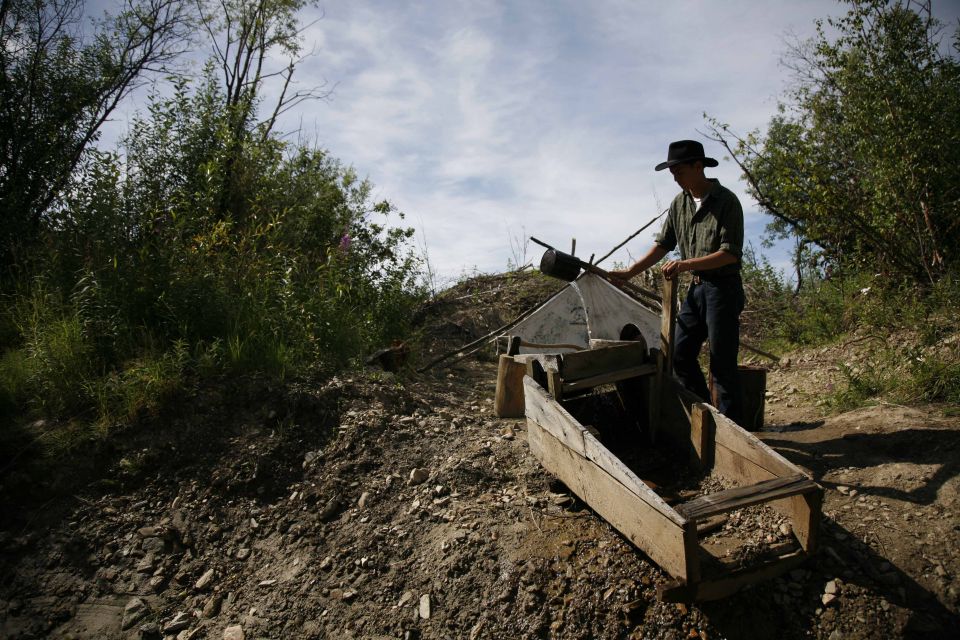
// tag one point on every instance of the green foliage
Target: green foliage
(861, 159)
(899, 343)
(56, 90)
(894, 376)
(781, 318)
(200, 250)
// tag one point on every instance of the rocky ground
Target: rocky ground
(380, 506)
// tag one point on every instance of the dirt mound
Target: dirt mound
(475, 307)
(397, 506)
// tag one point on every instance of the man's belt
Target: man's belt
(714, 278)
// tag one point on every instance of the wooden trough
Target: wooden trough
(672, 417)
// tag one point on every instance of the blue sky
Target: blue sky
(488, 121)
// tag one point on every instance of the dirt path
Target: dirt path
(374, 508)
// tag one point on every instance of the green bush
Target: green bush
(150, 285)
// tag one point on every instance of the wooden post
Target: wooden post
(806, 519)
(654, 396)
(667, 323)
(551, 366)
(508, 401)
(702, 430)
(691, 552)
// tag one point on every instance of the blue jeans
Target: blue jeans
(711, 311)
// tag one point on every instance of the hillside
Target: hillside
(382, 505)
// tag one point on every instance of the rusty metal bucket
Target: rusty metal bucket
(560, 265)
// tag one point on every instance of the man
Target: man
(705, 222)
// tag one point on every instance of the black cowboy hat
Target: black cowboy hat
(686, 151)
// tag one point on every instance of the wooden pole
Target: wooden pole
(668, 323)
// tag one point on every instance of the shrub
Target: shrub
(149, 285)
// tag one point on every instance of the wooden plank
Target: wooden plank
(729, 434)
(659, 537)
(526, 358)
(727, 585)
(805, 513)
(738, 497)
(601, 456)
(561, 425)
(601, 343)
(593, 362)
(551, 367)
(654, 391)
(668, 322)
(691, 551)
(609, 377)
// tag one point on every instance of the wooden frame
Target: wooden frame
(668, 535)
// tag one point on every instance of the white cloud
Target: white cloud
(483, 119)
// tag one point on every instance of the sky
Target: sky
(487, 121)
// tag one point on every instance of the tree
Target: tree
(58, 88)
(862, 157)
(244, 35)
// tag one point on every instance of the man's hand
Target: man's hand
(672, 268)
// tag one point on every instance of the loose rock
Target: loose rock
(204, 580)
(179, 622)
(418, 476)
(212, 608)
(135, 611)
(234, 633)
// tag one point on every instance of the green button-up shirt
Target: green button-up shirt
(716, 226)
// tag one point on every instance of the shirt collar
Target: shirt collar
(714, 188)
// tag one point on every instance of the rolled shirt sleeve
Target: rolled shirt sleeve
(731, 227)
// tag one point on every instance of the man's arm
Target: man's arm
(653, 257)
(714, 260)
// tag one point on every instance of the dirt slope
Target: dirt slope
(379, 506)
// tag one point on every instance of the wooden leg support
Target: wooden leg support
(702, 434)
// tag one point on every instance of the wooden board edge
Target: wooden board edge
(593, 362)
(726, 585)
(612, 465)
(731, 435)
(551, 415)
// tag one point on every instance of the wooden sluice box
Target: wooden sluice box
(669, 441)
